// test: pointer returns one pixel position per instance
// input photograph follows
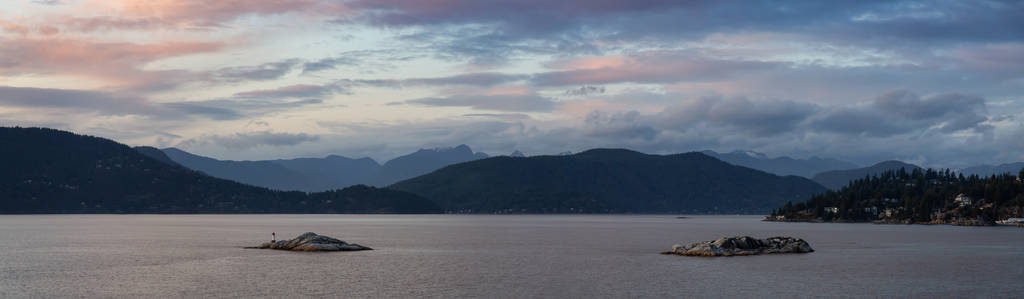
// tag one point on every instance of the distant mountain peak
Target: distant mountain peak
(751, 154)
(894, 162)
(783, 165)
(422, 162)
(836, 179)
(517, 154)
(988, 170)
(459, 149)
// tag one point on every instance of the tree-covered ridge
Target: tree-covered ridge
(53, 171)
(607, 181)
(918, 196)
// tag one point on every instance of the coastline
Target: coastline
(972, 222)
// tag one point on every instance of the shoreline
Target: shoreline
(904, 222)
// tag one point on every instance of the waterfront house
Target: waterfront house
(832, 210)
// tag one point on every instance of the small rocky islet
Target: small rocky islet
(742, 245)
(312, 242)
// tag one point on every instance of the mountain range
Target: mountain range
(607, 180)
(837, 179)
(52, 171)
(989, 170)
(782, 165)
(321, 174)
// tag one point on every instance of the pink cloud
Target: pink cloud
(647, 67)
(119, 64)
(13, 28)
(187, 14)
(589, 63)
(1006, 57)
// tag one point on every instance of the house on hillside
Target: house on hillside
(963, 200)
(833, 210)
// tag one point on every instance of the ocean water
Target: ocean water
(559, 256)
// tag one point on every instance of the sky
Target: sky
(938, 83)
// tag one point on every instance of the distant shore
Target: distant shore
(959, 222)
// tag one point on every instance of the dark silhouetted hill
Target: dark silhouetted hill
(839, 178)
(156, 154)
(607, 180)
(53, 171)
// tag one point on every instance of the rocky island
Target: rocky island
(312, 242)
(744, 245)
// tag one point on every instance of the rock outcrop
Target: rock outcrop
(312, 242)
(744, 245)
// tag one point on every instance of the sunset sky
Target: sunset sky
(939, 83)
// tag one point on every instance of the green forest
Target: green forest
(918, 196)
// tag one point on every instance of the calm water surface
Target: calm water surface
(494, 256)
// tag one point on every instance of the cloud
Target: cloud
(266, 71)
(13, 28)
(500, 116)
(518, 103)
(293, 91)
(216, 113)
(474, 79)
(245, 141)
(776, 127)
(647, 67)
(764, 118)
(65, 99)
(119, 64)
(1003, 60)
(108, 104)
(365, 61)
(188, 14)
(225, 109)
(621, 125)
(467, 79)
(585, 90)
(483, 31)
(396, 138)
(902, 112)
(329, 63)
(114, 104)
